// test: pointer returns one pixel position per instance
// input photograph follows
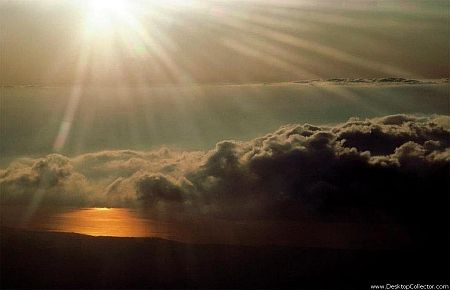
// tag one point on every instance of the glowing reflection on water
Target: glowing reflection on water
(125, 222)
(117, 222)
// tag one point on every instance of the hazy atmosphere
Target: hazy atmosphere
(48, 42)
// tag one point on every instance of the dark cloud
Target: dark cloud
(382, 136)
(151, 189)
(395, 167)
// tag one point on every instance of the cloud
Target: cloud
(377, 81)
(396, 166)
(153, 188)
(382, 136)
(48, 180)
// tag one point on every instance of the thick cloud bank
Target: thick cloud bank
(395, 165)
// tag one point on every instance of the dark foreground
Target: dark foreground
(62, 260)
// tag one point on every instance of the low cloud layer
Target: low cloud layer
(381, 81)
(395, 165)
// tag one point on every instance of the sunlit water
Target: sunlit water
(122, 222)
(101, 222)
(118, 222)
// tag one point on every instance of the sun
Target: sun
(104, 15)
(107, 4)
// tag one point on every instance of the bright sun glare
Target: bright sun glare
(106, 16)
(103, 15)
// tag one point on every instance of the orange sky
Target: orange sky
(45, 42)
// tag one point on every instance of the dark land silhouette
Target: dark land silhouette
(32, 259)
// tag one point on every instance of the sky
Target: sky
(331, 111)
(66, 42)
(71, 121)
